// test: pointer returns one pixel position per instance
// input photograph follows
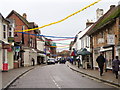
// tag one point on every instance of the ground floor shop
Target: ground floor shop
(30, 57)
(41, 58)
(109, 53)
(10, 58)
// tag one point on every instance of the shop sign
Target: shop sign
(110, 39)
(101, 40)
(6, 46)
(10, 39)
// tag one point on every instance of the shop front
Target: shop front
(96, 53)
(41, 58)
(5, 46)
(0, 55)
(10, 58)
(109, 55)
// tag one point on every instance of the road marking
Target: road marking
(56, 83)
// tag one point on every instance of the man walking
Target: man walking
(100, 60)
(115, 66)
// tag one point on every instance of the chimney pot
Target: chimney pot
(25, 15)
(112, 6)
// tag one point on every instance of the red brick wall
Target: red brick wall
(18, 26)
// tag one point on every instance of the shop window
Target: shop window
(109, 59)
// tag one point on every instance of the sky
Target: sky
(43, 12)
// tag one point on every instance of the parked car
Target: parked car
(51, 61)
(56, 60)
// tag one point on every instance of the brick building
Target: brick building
(25, 44)
(105, 36)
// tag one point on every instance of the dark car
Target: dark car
(62, 60)
(51, 61)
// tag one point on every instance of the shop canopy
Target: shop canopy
(83, 52)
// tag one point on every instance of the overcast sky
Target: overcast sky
(46, 11)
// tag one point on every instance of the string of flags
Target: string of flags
(61, 19)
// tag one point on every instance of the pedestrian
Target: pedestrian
(78, 62)
(115, 66)
(100, 60)
(33, 62)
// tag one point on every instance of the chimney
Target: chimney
(25, 15)
(99, 13)
(89, 23)
(112, 6)
(119, 3)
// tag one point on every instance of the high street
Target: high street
(56, 76)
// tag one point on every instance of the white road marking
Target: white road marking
(56, 83)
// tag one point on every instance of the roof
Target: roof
(108, 17)
(4, 18)
(81, 34)
(19, 16)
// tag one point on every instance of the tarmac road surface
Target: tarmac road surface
(56, 76)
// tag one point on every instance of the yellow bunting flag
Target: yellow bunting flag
(59, 20)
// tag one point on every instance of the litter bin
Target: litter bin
(5, 67)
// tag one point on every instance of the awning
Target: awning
(40, 54)
(33, 50)
(5, 42)
(83, 52)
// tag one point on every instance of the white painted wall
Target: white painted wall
(40, 45)
(0, 59)
(1, 34)
(10, 60)
(27, 61)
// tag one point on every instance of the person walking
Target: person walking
(100, 60)
(115, 66)
(33, 62)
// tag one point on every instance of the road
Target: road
(56, 76)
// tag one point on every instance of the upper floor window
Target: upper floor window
(4, 27)
(4, 31)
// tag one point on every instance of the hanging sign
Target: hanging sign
(10, 39)
(5, 46)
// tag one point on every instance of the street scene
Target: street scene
(63, 44)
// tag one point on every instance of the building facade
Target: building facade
(6, 62)
(105, 36)
(25, 43)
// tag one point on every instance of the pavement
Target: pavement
(107, 77)
(12, 75)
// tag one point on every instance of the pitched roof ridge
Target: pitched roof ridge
(21, 17)
(107, 14)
